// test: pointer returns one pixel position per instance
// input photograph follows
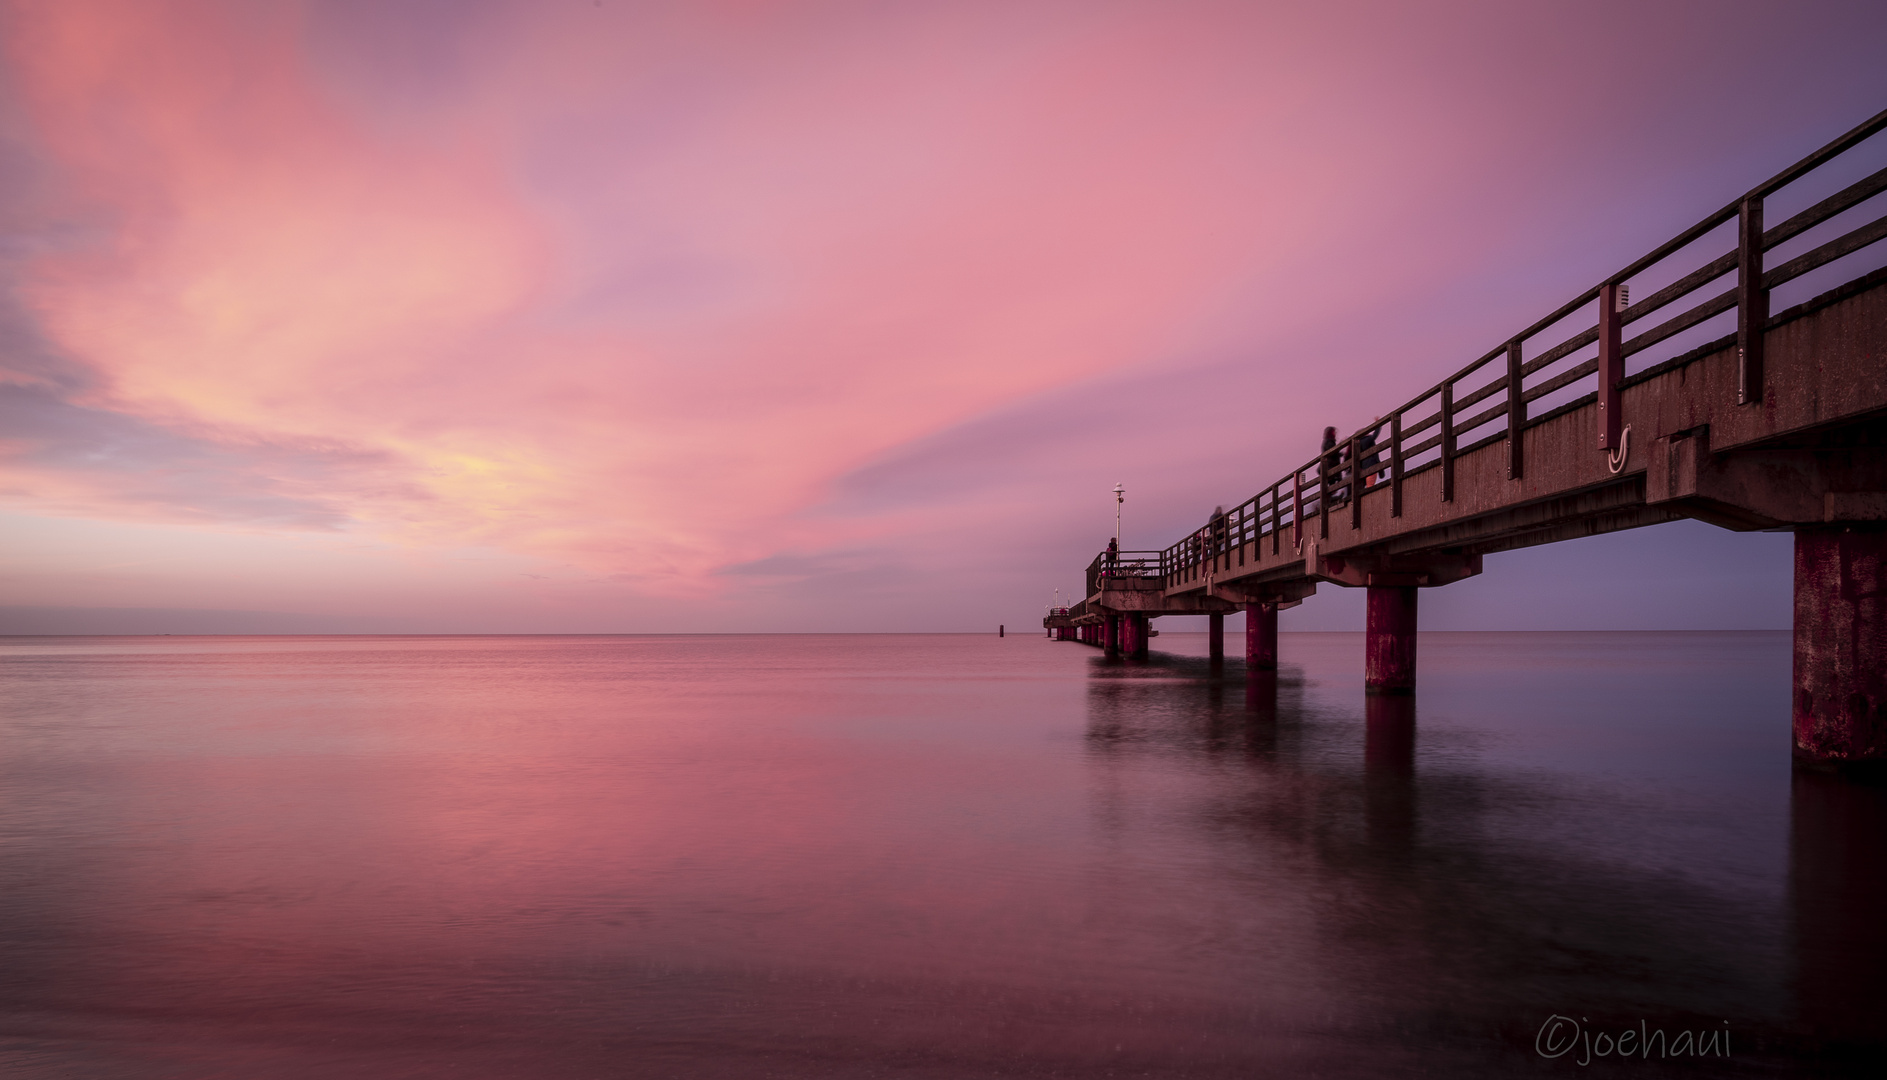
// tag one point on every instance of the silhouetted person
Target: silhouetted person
(1367, 464)
(1332, 471)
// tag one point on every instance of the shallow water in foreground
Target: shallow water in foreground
(922, 856)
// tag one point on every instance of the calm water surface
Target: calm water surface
(917, 856)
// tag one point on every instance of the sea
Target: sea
(925, 856)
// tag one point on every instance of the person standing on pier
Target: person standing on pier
(1368, 463)
(1331, 471)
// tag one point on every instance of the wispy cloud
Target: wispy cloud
(707, 300)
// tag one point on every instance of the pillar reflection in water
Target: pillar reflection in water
(1838, 879)
(1389, 735)
(1389, 770)
(1261, 695)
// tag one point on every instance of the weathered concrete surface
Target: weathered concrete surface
(1840, 711)
(1389, 641)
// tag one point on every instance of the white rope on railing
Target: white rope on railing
(1615, 459)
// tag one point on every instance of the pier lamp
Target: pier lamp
(1120, 496)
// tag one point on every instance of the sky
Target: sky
(594, 316)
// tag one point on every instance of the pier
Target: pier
(1780, 425)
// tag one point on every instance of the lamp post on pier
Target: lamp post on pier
(1120, 496)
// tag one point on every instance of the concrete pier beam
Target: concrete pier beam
(1840, 706)
(1215, 636)
(1389, 667)
(1261, 637)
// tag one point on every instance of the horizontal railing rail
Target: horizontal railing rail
(1124, 564)
(1432, 429)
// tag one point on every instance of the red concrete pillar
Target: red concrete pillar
(1390, 647)
(1840, 712)
(1133, 635)
(1261, 636)
(1215, 635)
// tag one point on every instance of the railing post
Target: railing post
(1611, 366)
(1448, 441)
(1752, 302)
(1297, 509)
(1323, 494)
(1395, 463)
(1355, 490)
(1516, 413)
(1277, 521)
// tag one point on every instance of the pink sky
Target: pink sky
(609, 316)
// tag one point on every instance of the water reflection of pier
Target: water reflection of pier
(1454, 896)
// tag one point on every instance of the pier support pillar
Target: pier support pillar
(1133, 635)
(1215, 636)
(1110, 635)
(1261, 637)
(1840, 707)
(1390, 665)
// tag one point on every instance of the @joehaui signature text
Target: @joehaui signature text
(1563, 1036)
